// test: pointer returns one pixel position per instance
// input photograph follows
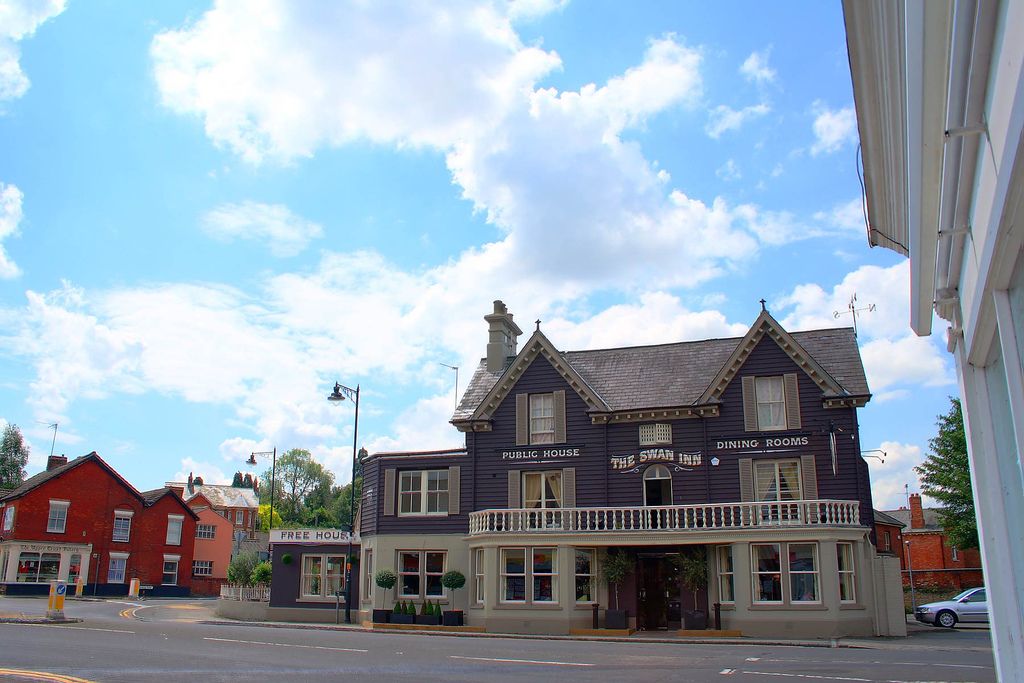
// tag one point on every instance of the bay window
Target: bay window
(420, 572)
(536, 567)
(585, 567)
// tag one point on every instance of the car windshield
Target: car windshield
(963, 595)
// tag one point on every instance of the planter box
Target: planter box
(694, 620)
(381, 616)
(616, 618)
(428, 620)
(452, 618)
(402, 619)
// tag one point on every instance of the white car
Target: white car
(971, 606)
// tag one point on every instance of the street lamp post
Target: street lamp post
(340, 393)
(910, 568)
(273, 478)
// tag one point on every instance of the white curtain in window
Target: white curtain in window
(532, 492)
(767, 486)
(554, 489)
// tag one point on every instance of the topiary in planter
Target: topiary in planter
(386, 579)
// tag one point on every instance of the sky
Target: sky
(212, 211)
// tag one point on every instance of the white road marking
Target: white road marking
(727, 672)
(519, 661)
(307, 647)
(813, 676)
(851, 661)
(757, 659)
(78, 628)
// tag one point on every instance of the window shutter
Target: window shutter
(746, 480)
(810, 478)
(513, 490)
(389, 493)
(522, 419)
(569, 487)
(560, 416)
(749, 405)
(792, 401)
(453, 489)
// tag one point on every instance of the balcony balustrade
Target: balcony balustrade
(672, 518)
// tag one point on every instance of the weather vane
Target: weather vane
(853, 310)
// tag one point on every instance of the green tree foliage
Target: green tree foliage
(298, 477)
(237, 480)
(945, 476)
(261, 573)
(240, 571)
(13, 458)
(265, 518)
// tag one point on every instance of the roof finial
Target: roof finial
(538, 324)
(763, 302)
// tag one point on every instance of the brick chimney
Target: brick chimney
(916, 512)
(503, 337)
(55, 461)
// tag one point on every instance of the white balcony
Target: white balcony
(673, 518)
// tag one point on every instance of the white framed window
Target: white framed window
(37, 568)
(542, 489)
(771, 403)
(513, 575)
(777, 480)
(478, 576)
(74, 568)
(420, 573)
(57, 520)
(886, 541)
(174, 523)
(368, 575)
(542, 418)
(726, 574)
(585, 567)
(766, 572)
(239, 517)
(202, 567)
(170, 573)
(654, 434)
(847, 575)
(803, 572)
(206, 531)
(122, 525)
(8, 518)
(116, 567)
(322, 576)
(423, 492)
(545, 575)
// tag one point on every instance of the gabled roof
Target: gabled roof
(885, 518)
(46, 475)
(220, 495)
(683, 374)
(151, 498)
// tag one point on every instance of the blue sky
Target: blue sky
(210, 212)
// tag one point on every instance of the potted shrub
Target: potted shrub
(616, 568)
(386, 579)
(693, 574)
(400, 614)
(453, 580)
(426, 615)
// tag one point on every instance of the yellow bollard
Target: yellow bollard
(79, 587)
(55, 606)
(133, 588)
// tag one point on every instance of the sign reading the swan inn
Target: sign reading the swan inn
(665, 455)
(308, 536)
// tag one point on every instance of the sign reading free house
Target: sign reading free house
(309, 536)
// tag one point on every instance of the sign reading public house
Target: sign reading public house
(535, 453)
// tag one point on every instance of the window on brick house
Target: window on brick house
(58, 517)
(174, 523)
(122, 525)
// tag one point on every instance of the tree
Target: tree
(241, 567)
(13, 458)
(945, 476)
(298, 476)
(237, 480)
(265, 518)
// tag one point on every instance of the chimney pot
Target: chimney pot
(502, 337)
(55, 461)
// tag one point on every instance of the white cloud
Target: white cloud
(19, 19)
(888, 479)
(274, 224)
(833, 129)
(848, 217)
(755, 67)
(210, 472)
(729, 171)
(724, 118)
(10, 217)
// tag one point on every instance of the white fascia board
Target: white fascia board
(928, 34)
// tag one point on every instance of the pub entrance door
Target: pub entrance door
(658, 605)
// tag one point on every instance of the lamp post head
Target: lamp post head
(336, 395)
(251, 460)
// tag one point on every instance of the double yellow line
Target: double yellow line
(44, 676)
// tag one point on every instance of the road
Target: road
(166, 640)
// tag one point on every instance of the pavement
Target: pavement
(928, 636)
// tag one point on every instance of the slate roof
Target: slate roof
(677, 374)
(222, 495)
(885, 518)
(931, 519)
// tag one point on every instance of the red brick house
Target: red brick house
(82, 520)
(926, 550)
(888, 533)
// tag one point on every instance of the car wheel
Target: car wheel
(946, 618)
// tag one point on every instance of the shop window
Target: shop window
(174, 523)
(8, 518)
(423, 492)
(116, 567)
(545, 575)
(655, 434)
(58, 517)
(38, 568)
(585, 575)
(420, 573)
(207, 531)
(478, 576)
(536, 566)
(726, 593)
(170, 573)
(766, 571)
(368, 575)
(542, 418)
(122, 525)
(322, 575)
(74, 568)
(847, 576)
(202, 567)
(803, 572)
(513, 574)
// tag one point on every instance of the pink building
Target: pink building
(212, 553)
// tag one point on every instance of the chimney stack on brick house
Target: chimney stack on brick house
(916, 512)
(503, 337)
(55, 461)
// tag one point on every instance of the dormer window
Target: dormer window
(771, 403)
(655, 434)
